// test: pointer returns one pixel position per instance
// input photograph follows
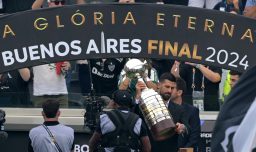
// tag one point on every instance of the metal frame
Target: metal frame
(24, 118)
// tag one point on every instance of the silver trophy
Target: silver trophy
(156, 115)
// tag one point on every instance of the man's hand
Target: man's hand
(125, 83)
(139, 87)
(180, 128)
(176, 69)
(65, 66)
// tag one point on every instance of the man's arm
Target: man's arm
(146, 146)
(195, 129)
(183, 121)
(37, 4)
(24, 73)
(94, 141)
(150, 84)
(139, 87)
(124, 83)
(208, 73)
(175, 70)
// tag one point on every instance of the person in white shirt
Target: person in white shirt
(49, 80)
(209, 4)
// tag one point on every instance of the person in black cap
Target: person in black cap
(120, 130)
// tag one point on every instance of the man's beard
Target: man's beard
(166, 96)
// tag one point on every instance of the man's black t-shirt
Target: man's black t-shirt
(13, 90)
(105, 75)
(13, 6)
(211, 91)
(176, 2)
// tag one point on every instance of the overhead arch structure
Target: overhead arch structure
(121, 30)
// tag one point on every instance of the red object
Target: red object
(58, 67)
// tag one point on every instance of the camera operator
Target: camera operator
(120, 130)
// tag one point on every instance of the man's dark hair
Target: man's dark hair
(167, 76)
(123, 98)
(50, 108)
(181, 84)
(233, 72)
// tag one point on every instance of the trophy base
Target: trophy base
(163, 130)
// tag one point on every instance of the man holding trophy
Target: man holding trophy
(167, 84)
(164, 119)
